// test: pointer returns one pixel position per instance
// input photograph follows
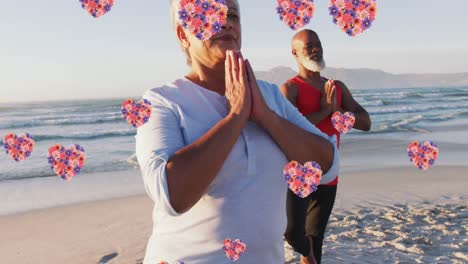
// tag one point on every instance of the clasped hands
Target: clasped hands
(329, 101)
(243, 95)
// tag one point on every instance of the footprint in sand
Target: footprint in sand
(106, 258)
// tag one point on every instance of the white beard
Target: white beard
(311, 65)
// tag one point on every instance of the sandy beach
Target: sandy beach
(391, 214)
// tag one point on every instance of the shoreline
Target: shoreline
(358, 155)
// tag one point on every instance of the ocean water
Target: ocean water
(109, 141)
(415, 109)
(97, 125)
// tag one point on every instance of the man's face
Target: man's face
(310, 53)
(312, 47)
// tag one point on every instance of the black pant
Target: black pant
(309, 216)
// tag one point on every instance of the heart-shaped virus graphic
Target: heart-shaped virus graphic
(423, 154)
(353, 16)
(234, 249)
(66, 163)
(136, 113)
(302, 180)
(343, 122)
(203, 18)
(18, 147)
(97, 8)
(295, 13)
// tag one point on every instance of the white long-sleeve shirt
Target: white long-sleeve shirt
(247, 198)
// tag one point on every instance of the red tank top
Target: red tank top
(308, 102)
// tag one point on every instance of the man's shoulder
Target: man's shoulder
(290, 85)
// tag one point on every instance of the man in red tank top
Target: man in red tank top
(317, 99)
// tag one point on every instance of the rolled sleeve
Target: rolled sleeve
(156, 142)
(294, 116)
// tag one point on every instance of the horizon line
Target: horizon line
(136, 97)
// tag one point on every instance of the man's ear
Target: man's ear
(182, 36)
(294, 53)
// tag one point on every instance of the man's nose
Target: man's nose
(227, 25)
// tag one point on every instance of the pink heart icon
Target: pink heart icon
(66, 163)
(295, 13)
(136, 113)
(423, 155)
(18, 147)
(97, 8)
(343, 122)
(234, 249)
(302, 180)
(353, 16)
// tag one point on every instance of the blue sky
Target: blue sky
(52, 49)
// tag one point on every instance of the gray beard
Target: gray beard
(311, 65)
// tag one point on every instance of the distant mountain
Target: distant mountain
(371, 78)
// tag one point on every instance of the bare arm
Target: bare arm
(290, 91)
(363, 121)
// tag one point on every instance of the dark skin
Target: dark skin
(307, 43)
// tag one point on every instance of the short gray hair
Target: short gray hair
(174, 16)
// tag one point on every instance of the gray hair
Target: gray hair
(174, 16)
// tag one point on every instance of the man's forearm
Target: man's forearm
(297, 143)
(317, 117)
(362, 121)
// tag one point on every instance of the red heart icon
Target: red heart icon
(136, 113)
(343, 122)
(302, 180)
(423, 155)
(234, 249)
(295, 13)
(66, 163)
(97, 8)
(353, 16)
(18, 147)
